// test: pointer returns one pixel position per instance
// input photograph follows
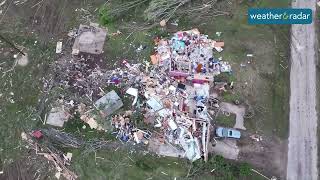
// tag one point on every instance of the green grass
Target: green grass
(25, 84)
(273, 3)
(225, 77)
(119, 48)
(122, 164)
(232, 97)
(226, 121)
(279, 85)
(271, 92)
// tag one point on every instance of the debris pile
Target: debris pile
(82, 75)
(173, 94)
(177, 90)
(126, 131)
(60, 160)
(189, 55)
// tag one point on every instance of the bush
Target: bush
(104, 17)
(225, 77)
(227, 169)
(145, 164)
(245, 169)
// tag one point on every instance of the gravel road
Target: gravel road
(302, 148)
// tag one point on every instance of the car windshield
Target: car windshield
(225, 132)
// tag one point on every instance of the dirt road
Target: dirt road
(302, 148)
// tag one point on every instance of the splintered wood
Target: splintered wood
(55, 158)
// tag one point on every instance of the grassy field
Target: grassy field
(20, 89)
(263, 83)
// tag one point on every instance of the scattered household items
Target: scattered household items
(228, 133)
(171, 94)
(256, 137)
(90, 39)
(189, 54)
(133, 92)
(126, 131)
(59, 47)
(116, 33)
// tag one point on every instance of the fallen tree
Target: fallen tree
(162, 10)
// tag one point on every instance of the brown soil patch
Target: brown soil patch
(270, 154)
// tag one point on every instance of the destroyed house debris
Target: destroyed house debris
(172, 95)
(177, 97)
(189, 54)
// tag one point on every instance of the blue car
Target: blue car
(227, 132)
